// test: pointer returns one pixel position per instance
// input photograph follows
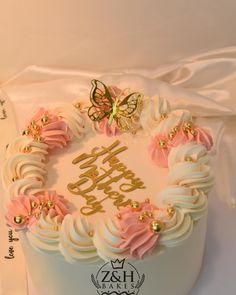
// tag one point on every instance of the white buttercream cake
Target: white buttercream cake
(109, 194)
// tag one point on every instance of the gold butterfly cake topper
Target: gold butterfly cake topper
(110, 102)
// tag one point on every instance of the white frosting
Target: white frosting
(107, 240)
(23, 166)
(193, 175)
(175, 235)
(76, 244)
(189, 200)
(197, 152)
(18, 145)
(73, 117)
(25, 186)
(44, 236)
(151, 114)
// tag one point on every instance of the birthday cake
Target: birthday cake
(108, 194)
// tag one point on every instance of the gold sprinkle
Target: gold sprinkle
(162, 144)
(176, 129)
(50, 204)
(18, 219)
(134, 204)
(14, 178)
(188, 126)
(193, 132)
(141, 217)
(26, 132)
(171, 211)
(27, 149)
(45, 119)
(118, 216)
(163, 116)
(147, 201)
(78, 105)
(189, 159)
(91, 233)
(34, 205)
(171, 135)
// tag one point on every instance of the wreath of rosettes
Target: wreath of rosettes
(140, 224)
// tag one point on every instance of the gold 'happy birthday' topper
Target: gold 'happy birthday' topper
(113, 171)
(114, 104)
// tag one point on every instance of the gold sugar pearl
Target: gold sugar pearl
(141, 217)
(19, 219)
(149, 214)
(147, 201)
(45, 119)
(189, 159)
(26, 132)
(156, 226)
(171, 135)
(91, 233)
(175, 129)
(78, 105)
(50, 204)
(162, 144)
(171, 211)
(135, 205)
(35, 126)
(163, 116)
(188, 125)
(193, 132)
(34, 205)
(27, 149)
(14, 178)
(38, 138)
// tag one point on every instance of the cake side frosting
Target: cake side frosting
(138, 228)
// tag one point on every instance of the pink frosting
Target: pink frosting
(54, 132)
(30, 208)
(104, 127)
(202, 137)
(136, 235)
(159, 154)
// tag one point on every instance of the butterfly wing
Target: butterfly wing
(128, 110)
(101, 100)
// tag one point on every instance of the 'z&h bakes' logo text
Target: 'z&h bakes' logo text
(118, 278)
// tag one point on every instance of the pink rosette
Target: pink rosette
(159, 150)
(48, 128)
(199, 135)
(162, 144)
(136, 233)
(25, 210)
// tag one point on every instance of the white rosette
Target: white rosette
(23, 166)
(45, 235)
(76, 240)
(25, 186)
(188, 167)
(73, 117)
(154, 108)
(107, 240)
(178, 231)
(190, 201)
(25, 145)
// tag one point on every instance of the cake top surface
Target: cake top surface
(116, 174)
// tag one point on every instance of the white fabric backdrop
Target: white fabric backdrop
(108, 34)
(206, 85)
